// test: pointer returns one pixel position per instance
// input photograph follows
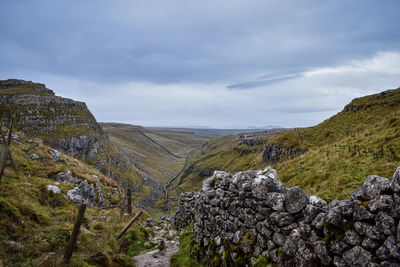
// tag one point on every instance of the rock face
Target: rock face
(273, 153)
(239, 217)
(91, 193)
(64, 124)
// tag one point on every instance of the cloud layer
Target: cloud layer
(217, 63)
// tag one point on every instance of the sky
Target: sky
(215, 63)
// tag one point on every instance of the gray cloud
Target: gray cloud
(195, 49)
(253, 84)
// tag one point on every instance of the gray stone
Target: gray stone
(345, 207)
(290, 246)
(278, 239)
(357, 256)
(270, 245)
(322, 252)
(383, 253)
(375, 185)
(395, 183)
(281, 218)
(395, 212)
(275, 201)
(385, 223)
(393, 246)
(295, 200)
(319, 221)
(375, 233)
(338, 247)
(53, 188)
(333, 217)
(381, 203)
(370, 243)
(67, 177)
(311, 212)
(360, 213)
(361, 227)
(317, 201)
(75, 195)
(33, 157)
(267, 183)
(339, 262)
(352, 238)
(55, 155)
(358, 194)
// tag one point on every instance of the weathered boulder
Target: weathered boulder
(53, 188)
(55, 155)
(295, 200)
(357, 256)
(395, 183)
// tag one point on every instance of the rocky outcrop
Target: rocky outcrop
(273, 153)
(248, 215)
(83, 191)
(64, 124)
(250, 140)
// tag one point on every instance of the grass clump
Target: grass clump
(186, 256)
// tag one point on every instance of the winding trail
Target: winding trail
(163, 234)
(170, 181)
(158, 144)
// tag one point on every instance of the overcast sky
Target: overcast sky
(217, 63)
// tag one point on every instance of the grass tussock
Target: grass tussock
(35, 224)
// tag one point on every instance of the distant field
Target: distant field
(209, 131)
(159, 153)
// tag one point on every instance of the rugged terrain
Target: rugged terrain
(62, 156)
(38, 205)
(252, 218)
(63, 124)
(329, 160)
(160, 155)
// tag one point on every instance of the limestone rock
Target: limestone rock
(55, 155)
(53, 188)
(375, 185)
(295, 200)
(357, 256)
(381, 203)
(395, 183)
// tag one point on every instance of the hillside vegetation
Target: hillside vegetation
(230, 153)
(337, 154)
(362, 139)
(35, 223)
(159, 154)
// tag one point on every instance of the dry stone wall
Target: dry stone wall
(247, 216)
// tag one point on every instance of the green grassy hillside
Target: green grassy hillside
(224, 153)
(35, 223)
(362, 139)
(337, 154)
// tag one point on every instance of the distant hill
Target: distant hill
(211, 131)
(158, 153)
(330, 159)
